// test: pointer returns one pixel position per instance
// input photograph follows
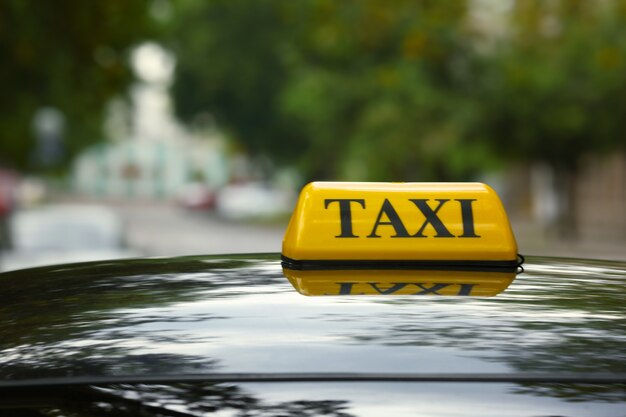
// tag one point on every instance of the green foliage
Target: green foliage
(328, 83)
(230, 64)
(556, 90)
(65, 54)
(372, 90)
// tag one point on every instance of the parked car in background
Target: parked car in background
(57, 234)
(9, 181)
(197, 196)
(253, 200)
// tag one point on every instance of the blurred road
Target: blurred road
(163, 230)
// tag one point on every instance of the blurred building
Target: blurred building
(149, 169)
(149, 154)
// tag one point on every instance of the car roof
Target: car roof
(239, 314)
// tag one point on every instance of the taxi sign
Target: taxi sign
(369, 227)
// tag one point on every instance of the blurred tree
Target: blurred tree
(390, 85)
(231, 65)
(329, 84)
(67, 55)
(554, 89)
(369, 90)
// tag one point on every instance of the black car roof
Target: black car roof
(177, 318)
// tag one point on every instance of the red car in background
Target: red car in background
(9, 181)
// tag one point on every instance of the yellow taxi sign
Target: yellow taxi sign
(458, 228)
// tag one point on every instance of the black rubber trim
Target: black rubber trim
(421, 265)
(515, 377)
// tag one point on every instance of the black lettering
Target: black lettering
(468, 218)
(345, 215)
(430, 290)
(466, 289)
(390, 290)
(431, 218)
(394, 221)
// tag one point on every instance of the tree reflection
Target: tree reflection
(180, 400)
(86, 327)
(558, 317)
(88, 322)
(576, 392)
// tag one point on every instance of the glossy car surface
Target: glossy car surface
(196, 335)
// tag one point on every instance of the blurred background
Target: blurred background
(156, 127)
